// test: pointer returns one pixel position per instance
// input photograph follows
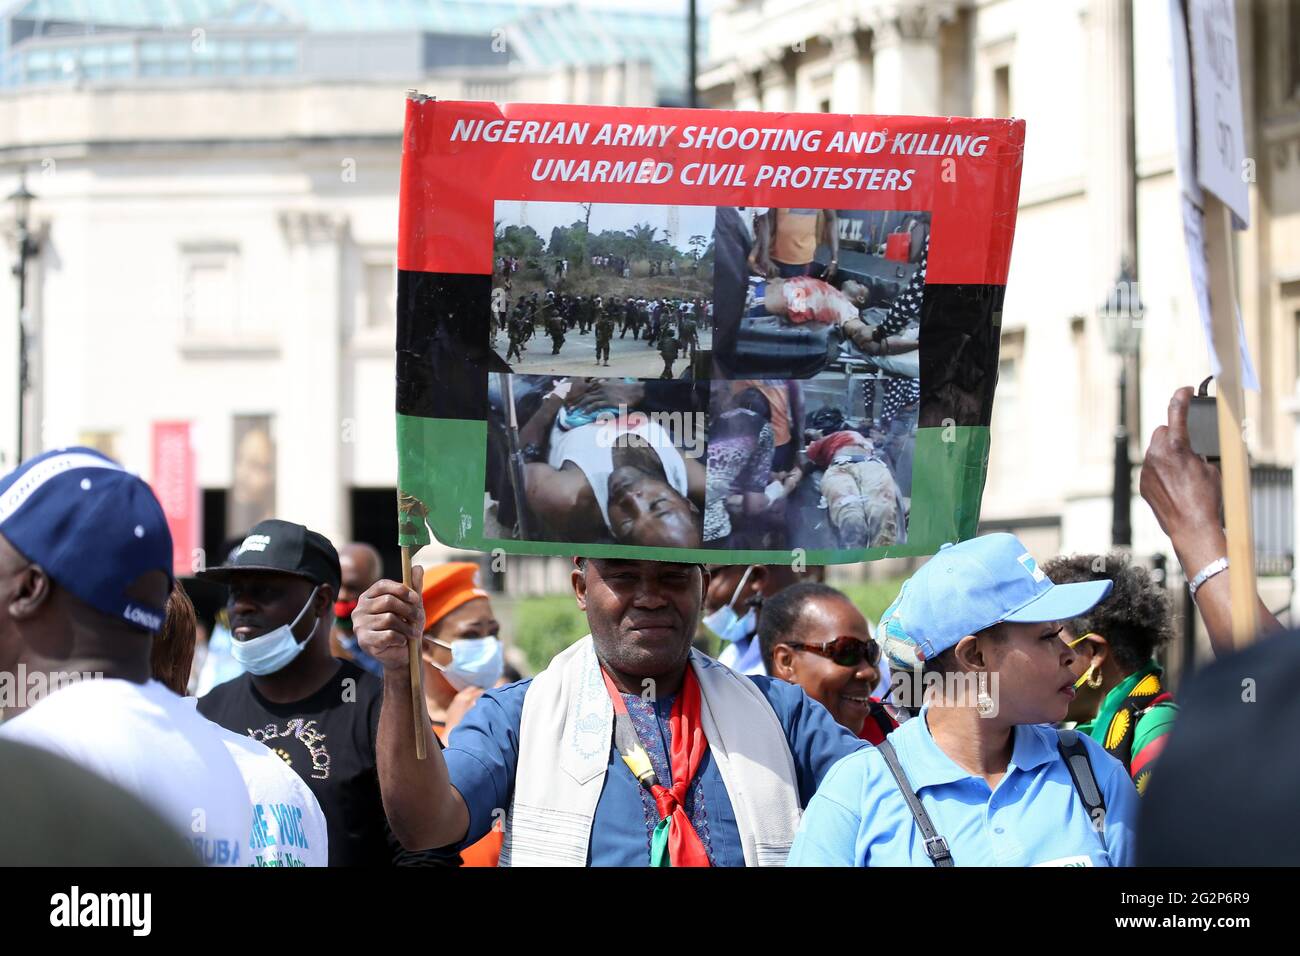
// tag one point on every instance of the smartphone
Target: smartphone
(1203, 427)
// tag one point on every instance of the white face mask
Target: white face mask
(275, 649)
(475, 662)
(729, 625)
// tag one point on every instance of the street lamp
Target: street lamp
(1121, 325)
(21, 198)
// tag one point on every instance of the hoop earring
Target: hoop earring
(1094, 677)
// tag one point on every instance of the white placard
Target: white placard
(1192, 199)
(1220, 134)
(1194, 233)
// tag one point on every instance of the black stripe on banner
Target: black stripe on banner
(443, 353)
(442, 345)
(960, 330)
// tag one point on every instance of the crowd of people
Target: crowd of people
(667, 324)
(1001, 712)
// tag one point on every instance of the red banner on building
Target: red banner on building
(175, 482)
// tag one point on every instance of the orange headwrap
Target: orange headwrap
(448, 586)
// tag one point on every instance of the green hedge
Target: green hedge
(544, 626)
(872, 597)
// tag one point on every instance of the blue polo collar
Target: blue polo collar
(928, 766)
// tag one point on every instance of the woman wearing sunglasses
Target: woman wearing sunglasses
(979, 777)
(813, 636)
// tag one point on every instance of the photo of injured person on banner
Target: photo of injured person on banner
(830, 302)
(800, 291)
(595, 460)
(819, 463)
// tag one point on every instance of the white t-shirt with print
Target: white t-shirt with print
(288, 823)
(155, 745)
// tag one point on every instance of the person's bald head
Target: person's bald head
(361, 566)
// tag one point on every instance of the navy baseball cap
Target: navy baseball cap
(92, 525)
(973, 585)
(285, 548)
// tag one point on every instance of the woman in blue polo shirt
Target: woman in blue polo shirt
(988, 775)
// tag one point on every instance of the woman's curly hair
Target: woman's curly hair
(1134, 618)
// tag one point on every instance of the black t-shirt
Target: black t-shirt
(329, 741)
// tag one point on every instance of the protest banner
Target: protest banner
(617, 337)
(1211, 166)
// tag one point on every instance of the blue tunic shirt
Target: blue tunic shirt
(1033, 817)
(482, 755)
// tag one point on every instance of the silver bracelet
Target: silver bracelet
(1207, 572)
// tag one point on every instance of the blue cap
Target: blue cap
(969, 586)
(92, 525)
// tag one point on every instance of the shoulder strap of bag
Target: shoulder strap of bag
(881, 717)
(936, 847)
(1075, 755)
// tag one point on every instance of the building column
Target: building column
(309, 482)
(906, 63)
(777, 81)
(745, 91)
(850, 72)
(1110, 153)
(1110, 180)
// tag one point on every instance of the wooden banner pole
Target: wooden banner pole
(1234, 462)
(417, 674)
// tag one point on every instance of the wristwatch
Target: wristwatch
(533, 452)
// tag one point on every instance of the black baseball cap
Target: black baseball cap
(283, 547)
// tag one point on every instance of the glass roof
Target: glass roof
(542, 34)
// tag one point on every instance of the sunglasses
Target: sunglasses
(845, 651)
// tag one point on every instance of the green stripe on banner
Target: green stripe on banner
(442, 462)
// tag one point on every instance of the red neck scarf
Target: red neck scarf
(686, 751)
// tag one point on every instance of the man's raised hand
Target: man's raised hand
(1180, 486)
(388, 615)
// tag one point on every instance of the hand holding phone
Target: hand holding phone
(1203, 424)
(1181, 487)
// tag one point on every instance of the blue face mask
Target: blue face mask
(475, 662)
(274, 649)
(729, 625)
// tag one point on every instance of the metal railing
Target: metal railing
(1273, 519)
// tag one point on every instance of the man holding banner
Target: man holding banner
(632, 749)
(665, 757)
